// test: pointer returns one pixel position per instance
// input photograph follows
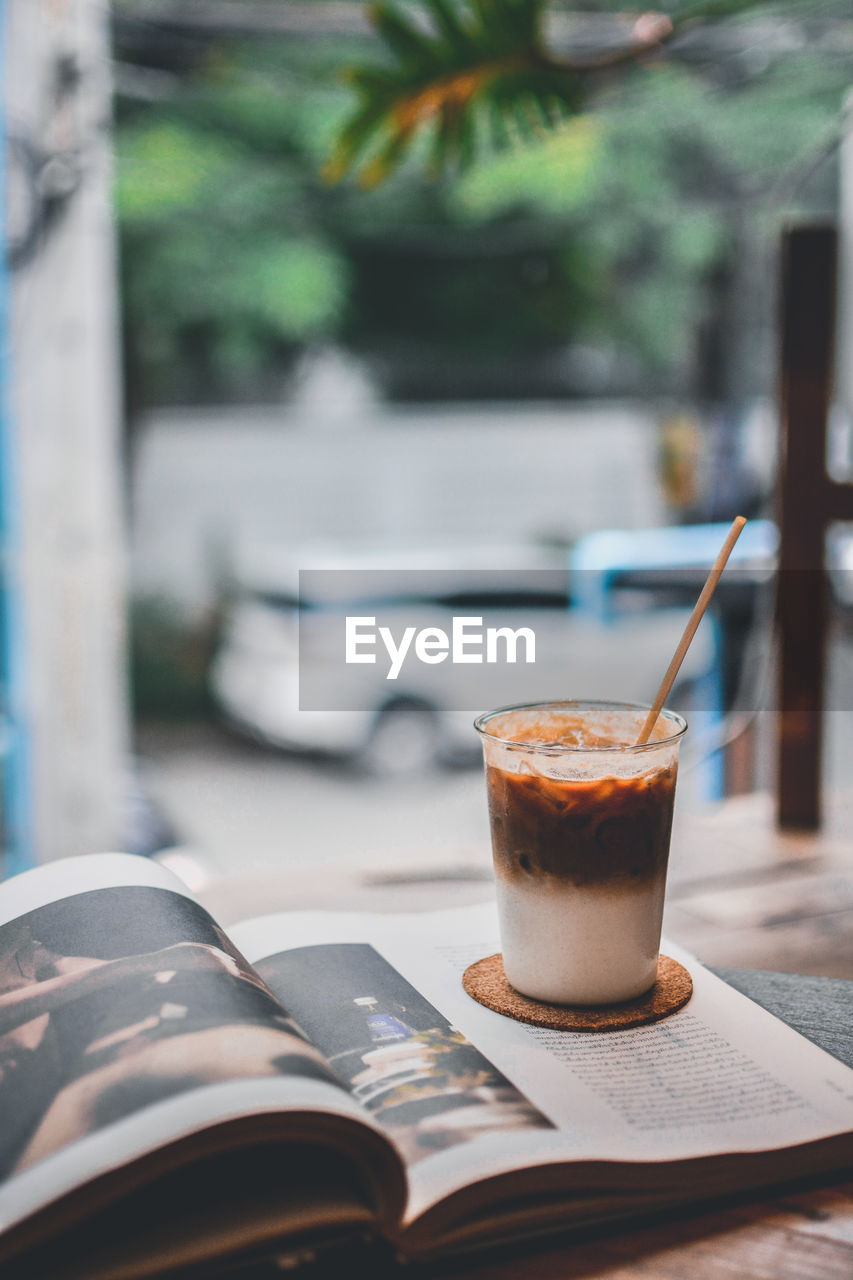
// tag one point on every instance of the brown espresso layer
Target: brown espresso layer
(585, 832)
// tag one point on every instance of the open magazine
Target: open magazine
(171, 1096)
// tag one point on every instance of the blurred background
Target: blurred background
(221, 367)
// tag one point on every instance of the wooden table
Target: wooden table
(739, 893)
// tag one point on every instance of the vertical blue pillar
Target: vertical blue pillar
(16, 836)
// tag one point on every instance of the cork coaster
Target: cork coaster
(485, 981)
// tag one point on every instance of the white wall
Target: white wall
(206, 480)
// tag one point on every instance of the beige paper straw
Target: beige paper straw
(690, 630)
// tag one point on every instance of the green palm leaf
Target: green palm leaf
(471, 57)
(479, 61)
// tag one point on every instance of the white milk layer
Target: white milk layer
(570, 945)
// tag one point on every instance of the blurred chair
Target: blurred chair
(668, 566)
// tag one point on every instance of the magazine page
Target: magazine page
(128, 1020)
(386, 1005)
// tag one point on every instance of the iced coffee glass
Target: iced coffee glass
(581, 820)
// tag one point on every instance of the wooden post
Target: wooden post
(844, 352)
(66, 417)
(808, 502)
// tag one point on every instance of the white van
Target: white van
(424, 715)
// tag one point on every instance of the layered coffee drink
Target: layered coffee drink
(581, 821)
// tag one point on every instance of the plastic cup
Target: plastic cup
(581, 820)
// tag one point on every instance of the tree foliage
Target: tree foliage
(230, 261)
(605, 228)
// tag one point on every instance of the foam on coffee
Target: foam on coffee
(548, 726)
